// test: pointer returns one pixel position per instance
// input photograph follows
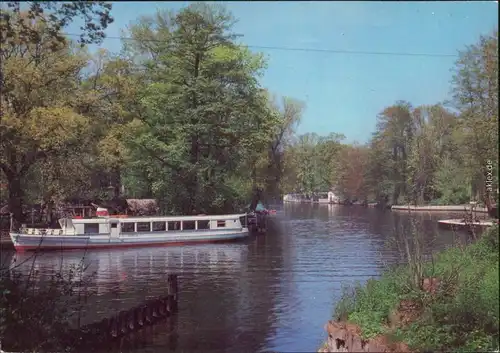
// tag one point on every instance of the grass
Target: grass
(463, 314)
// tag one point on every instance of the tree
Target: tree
(39, 101)
(395, 131)
(16, 24)
(114, 89)
(431, 146)
(202, 104)
(379, 170)
(352, 162)
(328, 150)
(475, 90)
(288, 116)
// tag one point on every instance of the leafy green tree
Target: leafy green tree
(378, 174)
(114, 89)
(16, 27)
(475, 89)
(328, 150)
(202, 103)
(287, 117)
(350, 181)
(431, 146)
(40, 94)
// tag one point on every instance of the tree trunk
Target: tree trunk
(49, 217)
(117, 183)
(194, 182)
(255, 199)
(193, 188)
(15, 197)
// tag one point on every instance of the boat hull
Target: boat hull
(25, 242)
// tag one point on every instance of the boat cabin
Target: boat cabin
(149, 224)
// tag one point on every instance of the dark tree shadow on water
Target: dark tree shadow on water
(39, 316)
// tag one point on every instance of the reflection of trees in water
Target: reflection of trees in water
(44, 307)
(231, 294)
(224, 297)
(385, 224)
(234, 313)
(419, 230)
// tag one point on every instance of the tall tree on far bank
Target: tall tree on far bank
(432, 147)
(352, 162)
(394, 135)
(475, 89)
(289, 114)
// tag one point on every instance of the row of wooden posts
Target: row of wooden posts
(129, 321)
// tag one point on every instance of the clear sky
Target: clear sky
(344, 92)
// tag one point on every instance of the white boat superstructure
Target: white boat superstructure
(321, 197)
(112, 231)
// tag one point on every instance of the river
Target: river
(273, 292)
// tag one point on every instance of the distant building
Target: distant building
(332, 198)
(320, 197)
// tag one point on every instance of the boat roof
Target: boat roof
(155, 218)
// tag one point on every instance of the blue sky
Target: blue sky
(345, 92)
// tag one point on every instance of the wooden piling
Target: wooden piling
(122, 319)
(172, 292)
(163, 307)
(130, 321)
(139, 316)
(114, 327)
(148, 314)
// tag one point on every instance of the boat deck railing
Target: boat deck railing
(41, 231)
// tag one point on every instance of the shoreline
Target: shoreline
(447, 208)
(386, 315)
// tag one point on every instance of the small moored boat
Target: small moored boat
(112, 231)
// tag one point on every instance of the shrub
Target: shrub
(463, 313)
(47, 311)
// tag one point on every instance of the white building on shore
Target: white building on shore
(321, 197)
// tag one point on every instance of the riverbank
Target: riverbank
(454, 307)
(447, 208)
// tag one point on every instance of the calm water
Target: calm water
(269, 293)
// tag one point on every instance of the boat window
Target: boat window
(221, 224)
(143, 226)
(114, 225)
(188, 225)
(91, 228)
(159, 226)
(175, 225)
(128, 227)
(204, 224)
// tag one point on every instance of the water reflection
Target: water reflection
(271, 293)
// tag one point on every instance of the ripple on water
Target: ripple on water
(273, 292)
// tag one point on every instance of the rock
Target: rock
(345, 337)
(406, 312)
(431, 285)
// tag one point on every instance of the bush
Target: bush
(463, 313)
(46, 311)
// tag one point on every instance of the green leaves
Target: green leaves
(475, 89)
(202, 105)
(15, 24)
(462, 315)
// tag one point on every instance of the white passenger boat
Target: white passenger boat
(113, 231)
